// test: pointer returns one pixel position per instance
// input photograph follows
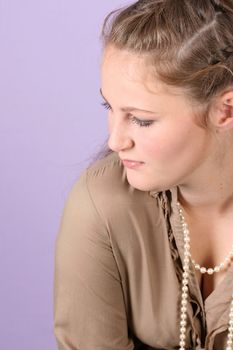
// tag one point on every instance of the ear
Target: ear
(221, 114)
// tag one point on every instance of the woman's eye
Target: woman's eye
(106, 105)
(141, 123)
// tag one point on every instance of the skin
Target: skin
(175, 150)
(174, 141)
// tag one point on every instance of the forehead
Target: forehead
(127, 80)
(122, 68)
(122, 63)
(114, 55)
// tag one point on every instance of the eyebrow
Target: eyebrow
(126, 109)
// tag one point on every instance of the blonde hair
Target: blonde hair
(188, 42)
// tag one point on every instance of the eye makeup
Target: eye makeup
(141, 123)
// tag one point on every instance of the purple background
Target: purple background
(51, 123)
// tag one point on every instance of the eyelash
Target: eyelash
(141, 123)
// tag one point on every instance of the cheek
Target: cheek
(172, 144)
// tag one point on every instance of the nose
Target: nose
(119, 139)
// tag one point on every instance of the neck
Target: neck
(211, 187)
(218, 199)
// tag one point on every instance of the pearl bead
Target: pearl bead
(182, 329)
(183, 309)
(185, 274)
(185, 281)
(203, 270)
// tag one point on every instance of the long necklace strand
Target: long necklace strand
(184, 294)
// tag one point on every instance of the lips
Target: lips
(131, 163)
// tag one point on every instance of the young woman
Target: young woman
(144, 252)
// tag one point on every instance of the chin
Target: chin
(148, 185)
(143, 186)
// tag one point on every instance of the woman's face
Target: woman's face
(159, 131)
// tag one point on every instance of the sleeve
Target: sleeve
(89, 311)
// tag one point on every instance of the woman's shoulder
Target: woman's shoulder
(107, 168)
(105, 184)
(107, 177)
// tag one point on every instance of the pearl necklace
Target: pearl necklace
(217, 268)
(184, 288)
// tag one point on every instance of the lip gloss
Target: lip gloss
(132, 164)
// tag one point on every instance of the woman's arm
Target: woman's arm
(89, 311)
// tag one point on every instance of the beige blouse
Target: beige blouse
(118, 267)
